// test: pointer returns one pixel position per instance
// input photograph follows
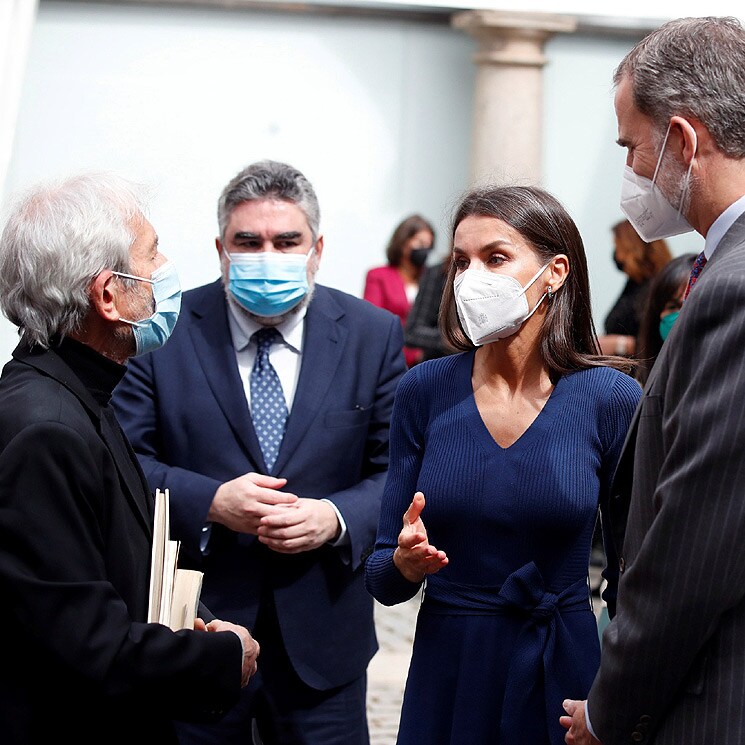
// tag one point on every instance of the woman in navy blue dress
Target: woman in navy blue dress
(513, 444)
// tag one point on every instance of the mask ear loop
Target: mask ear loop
(662, 152)
(690, 165)
(545, 294)
(535, 277)
(688, 173)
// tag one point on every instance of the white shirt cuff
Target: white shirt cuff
(587, 721)
(343, 539)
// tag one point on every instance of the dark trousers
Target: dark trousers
(283, 709)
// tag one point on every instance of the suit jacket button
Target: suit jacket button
(644, 718)
(621, 565)
(637, 736)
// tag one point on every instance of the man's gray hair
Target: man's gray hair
(58, 237)
(269, 179)
(694, 68)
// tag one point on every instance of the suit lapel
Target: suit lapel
(323, 348)
(215, 353)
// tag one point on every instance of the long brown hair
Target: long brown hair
(568, 340)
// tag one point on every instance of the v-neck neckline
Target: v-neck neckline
(536, 428)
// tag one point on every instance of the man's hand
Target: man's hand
(575, 723)
(302, 526)
(250, 646)
(240, 504)
(415, 557)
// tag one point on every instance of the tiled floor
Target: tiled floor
(387, 671)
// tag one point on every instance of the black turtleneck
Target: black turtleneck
(97, 373)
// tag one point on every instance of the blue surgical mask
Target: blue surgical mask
(666, 323)
(268, 283)
(153, 332)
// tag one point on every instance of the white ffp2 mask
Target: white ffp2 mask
(492, 306)
(646, 207)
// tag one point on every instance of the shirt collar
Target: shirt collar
(242, 327)
(722, 224)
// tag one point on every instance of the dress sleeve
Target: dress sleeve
(382, 578)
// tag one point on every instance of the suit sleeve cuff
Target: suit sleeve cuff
(588, 722)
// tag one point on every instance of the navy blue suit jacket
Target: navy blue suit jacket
(185, 411)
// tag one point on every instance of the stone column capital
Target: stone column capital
(512, 38)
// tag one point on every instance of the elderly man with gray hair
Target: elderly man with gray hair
(83, 279)
(673, 660)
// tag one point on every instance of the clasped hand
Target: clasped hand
(286, 523)
(415, 556)
(248, 643)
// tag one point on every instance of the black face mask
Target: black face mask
(418, 256)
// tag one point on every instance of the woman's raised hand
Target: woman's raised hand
(415, 557)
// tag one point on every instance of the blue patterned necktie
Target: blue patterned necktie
(698, 265)
(268, 406)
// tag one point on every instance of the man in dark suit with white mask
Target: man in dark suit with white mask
(673, 662)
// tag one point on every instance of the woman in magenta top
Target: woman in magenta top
(395, 286)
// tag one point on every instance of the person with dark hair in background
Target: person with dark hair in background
(422, 327)
(673, 664)
(267, 415)
(82, 277)
(664, 301)
(395, 286)
(513, 443)
(639, 261)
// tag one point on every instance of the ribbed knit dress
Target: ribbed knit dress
(506, 630)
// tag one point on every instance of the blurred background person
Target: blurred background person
(513, 443)
(639, 261)
(395, 286)
(664, 301)
(422, 329)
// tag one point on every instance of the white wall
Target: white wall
(377, 114)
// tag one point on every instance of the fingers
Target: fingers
(410, 539)
(199, 625)
(415, 509)
(270, 496)
(270, 482)
(570, 706)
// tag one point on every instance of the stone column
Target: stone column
(507, 138)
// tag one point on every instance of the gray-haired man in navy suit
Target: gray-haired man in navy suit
(267, 418)
(673, 661)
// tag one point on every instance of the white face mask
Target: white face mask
(646, 207)
(492, 306)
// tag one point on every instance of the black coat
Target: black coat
(78, 659)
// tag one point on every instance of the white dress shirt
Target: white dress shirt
(286, 358)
